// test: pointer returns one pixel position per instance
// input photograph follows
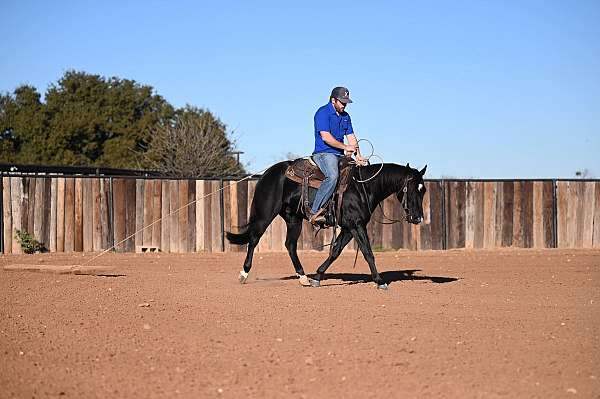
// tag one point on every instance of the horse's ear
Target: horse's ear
(422, 172)
(407, 165)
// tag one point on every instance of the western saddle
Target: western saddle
(305, 172)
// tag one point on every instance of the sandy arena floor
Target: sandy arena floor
(457, 324)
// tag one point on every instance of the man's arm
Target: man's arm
(353, 142)
(329, 139)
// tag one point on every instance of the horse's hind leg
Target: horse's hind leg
(255, 232)
(294, 228)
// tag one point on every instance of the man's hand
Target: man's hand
(360, 160)
(350, 148)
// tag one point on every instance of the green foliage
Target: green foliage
(86, 120)
(28, 244)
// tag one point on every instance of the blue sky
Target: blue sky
(473, 88)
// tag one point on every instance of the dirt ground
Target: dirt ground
(456, 324)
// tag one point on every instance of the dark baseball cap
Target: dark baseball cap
(342, 94)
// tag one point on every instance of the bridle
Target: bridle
(403, 202)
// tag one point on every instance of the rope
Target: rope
(172, 213)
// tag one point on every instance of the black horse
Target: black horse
(277, 195)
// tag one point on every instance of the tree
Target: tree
(102, 122)
(90, 120)
(23, 126)
(194, 143)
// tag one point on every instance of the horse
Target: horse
(275, 194)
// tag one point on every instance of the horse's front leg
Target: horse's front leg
(340, 242)
(361, 237)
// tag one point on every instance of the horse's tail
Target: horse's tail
(239, 238)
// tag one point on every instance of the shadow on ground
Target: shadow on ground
(389, 277)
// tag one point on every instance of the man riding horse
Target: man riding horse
(332, 123)
(281, 191)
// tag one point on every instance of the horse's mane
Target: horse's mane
(391, 174)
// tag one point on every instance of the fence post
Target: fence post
(2, 212)
(222, 214)
(444, 227)
(554, 215)
(111, 214)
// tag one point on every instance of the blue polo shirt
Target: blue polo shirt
(326, 119)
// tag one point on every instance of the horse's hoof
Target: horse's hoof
(306, 281)
(243, 277)
(383, 286)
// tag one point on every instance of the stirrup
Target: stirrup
(317, 218)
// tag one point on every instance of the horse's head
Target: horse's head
(411, 194)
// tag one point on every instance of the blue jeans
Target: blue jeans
(328, 163)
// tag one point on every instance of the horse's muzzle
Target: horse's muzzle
(414, 220)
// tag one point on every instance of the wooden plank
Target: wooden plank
(588, 214)
(517, 232)
(174, 216)
(538, 215)
(434, 189)
(16, 200)
(596, 233)
(415, 232)
(578, 197)
(508, 199)
(37, 206)
(200, 215)
(479, 214)
(106, 214)
(456, 213)
(571, 214)
(119, 206)
(191, 200)
(139, 212)
(78, 246)
(499, 214)
(242, 211)
(215, 215)
(228, 214)
(561, 209)
(165, 208)
(489, 214)
(28, 204)
(232, 220)
(182, 216)
(130, 216)
(61, 269)
(47, 211)
(95, 212)
(156, 213)
(527, 213)
(425, 230)
(60, 214)
(52, 200)
(69, 215)
(548, 214)
(470, 210)
(148, 212)
(207, 222)
(88, 215)
(7, 232)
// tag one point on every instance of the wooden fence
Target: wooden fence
(91, 214)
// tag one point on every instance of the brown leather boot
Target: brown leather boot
(317, 218)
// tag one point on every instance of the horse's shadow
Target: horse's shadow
(389, 277)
